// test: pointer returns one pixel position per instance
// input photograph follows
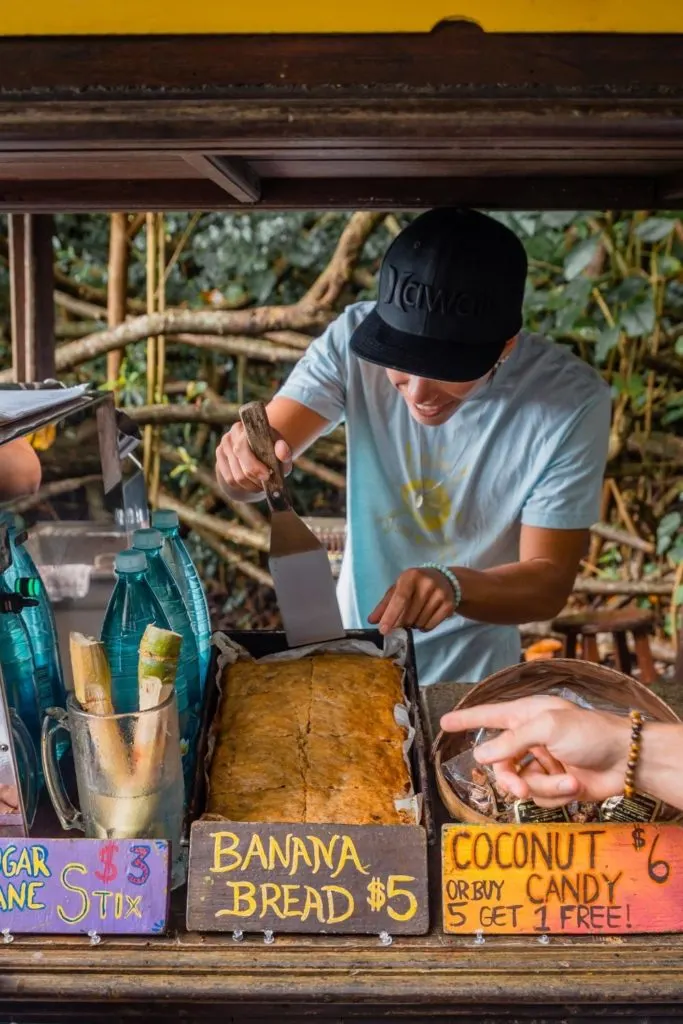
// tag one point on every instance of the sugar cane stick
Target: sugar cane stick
(157, 668)
(149, 732)
(92, 687)
(159, 654)
(92, 676)
(136, 812)
(153, 692)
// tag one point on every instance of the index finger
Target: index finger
(378, 612)
(515, 742)
(396, 608)
(504, 715)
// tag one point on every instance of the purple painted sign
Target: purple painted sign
(74, 886)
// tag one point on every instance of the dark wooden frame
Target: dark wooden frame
(394, 121)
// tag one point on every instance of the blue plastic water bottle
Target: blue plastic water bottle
(40, 620)
(184, 572)
(131, 609)
(24, 682)
(169, 597)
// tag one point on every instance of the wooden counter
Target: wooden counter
(210, 978)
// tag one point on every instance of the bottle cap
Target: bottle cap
(28, 586)
(165, 519)
(147, 540)
(130, 561)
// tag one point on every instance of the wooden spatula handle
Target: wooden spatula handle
(257, 427)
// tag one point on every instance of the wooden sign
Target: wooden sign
(307, 878)
(74, 886)
(594, 879)
(145, 17)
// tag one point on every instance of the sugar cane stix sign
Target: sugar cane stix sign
(307, 878)
(76, 886)
(594, 879)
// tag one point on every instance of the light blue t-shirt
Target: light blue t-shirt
(528, 447)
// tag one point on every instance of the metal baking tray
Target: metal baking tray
(260, 643)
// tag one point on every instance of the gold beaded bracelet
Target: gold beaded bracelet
(633, 754)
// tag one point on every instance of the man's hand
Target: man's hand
(239, 471)
(421, 598)
(588, 750)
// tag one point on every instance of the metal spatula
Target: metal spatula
(298, 563)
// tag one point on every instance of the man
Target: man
(20, 471)
(475, 451)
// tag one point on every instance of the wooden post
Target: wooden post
(152, 346)
(678, 667)
(117, 285)
(31, 296)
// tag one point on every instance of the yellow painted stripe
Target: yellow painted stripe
(142, 17)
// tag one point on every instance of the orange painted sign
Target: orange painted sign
(593, 879)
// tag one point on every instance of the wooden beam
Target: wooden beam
(455, 60)
(233, 175)
(31, 296)
(209, 125)
(499, 193)
(672, 188)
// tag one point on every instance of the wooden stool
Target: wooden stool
(587, 625)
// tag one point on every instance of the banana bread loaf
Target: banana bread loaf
(310, 740)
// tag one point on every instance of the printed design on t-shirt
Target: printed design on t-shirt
(426, 500)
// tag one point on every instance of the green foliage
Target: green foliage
(670, 537)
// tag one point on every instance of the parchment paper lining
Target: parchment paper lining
(395, 648)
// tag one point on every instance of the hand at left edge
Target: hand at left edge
(420, 598)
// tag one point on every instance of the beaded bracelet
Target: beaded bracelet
(452, 579)
(633, 754)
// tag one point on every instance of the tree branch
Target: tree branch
(229, 531)
(327, 288)
(80, 308)
(621, 537)
(293, 339)
(633, 588)
(224, 552)
(89, 293)
(253, 348)
(251, 322)
(328, 476)
(283, 325)
(670, 367)
(657, 446)
(218, 414)
(51, 490)
(249, 514)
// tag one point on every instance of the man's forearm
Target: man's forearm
(513, 594)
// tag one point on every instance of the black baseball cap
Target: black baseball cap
(451, 288)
